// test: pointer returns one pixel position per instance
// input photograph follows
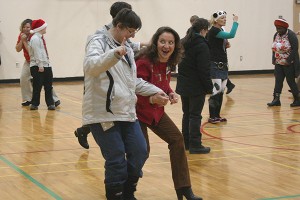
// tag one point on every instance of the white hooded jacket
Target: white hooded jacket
(110, 83)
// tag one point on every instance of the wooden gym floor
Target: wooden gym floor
(255, 155)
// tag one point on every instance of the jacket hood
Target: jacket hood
(196, 39)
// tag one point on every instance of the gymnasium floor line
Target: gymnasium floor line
(282, 197)
(221, 138)
(244, 155)
(30, 178)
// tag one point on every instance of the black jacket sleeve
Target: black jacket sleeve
(203, 67)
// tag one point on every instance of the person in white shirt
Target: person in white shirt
(40, 67)
(25, 83)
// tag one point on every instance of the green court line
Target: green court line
(50, 192)
(283, 197)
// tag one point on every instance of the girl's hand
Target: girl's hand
(41, 69)
(235, 18)
(173, 97)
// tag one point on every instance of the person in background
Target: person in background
(22, 44)
(285, 57)
(194, 83)
(230, 86)
(154, 65)
(108, 108)
(298, 78)
(82, 132)
(40, 68)
(217, 39)
(193, 19)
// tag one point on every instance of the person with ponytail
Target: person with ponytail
(193, 83)
(217, 39)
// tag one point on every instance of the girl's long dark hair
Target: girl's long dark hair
(151, 50)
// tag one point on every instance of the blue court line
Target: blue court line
(283, 197)
(50, 192)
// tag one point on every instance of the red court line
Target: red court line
(290, 128)
(253, 145)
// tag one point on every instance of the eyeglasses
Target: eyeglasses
(219, 14)
(132, 32)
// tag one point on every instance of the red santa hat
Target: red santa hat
(38, 25)
(281, 22)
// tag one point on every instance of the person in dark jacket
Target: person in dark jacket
(285, 57)
(193, 83)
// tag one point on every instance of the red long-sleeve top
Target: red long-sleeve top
(25, 52)
(158, 74)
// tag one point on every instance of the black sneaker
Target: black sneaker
(33, 107)
(199, 150)
(26, 103)
(82, 138)
(57, 103)
(230, 88)
(296, 103)
(51, 107)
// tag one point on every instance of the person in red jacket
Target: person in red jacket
(154, 64)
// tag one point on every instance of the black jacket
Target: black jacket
(293, 58)
(194, 69)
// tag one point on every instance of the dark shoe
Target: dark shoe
(221, 119)
(187, 193)
(82, 138)
(51, 107)
(57, 103)
(130, 188)
(296, 103)
(199, 150)
(33, 107)
(213, 120)
(274, 103)
(276, 100)
(114, 192)
(26, 103)
(230, 88)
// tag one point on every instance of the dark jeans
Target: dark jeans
(41, 79)
(168, 131)
(287, 72)
(192, 107)
(123, 147)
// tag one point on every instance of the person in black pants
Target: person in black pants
(285, 57)
(40, 68)
(193, 83)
